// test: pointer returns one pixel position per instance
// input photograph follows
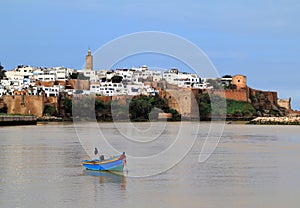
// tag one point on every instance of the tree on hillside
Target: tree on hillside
(116, 79)
(142, 106)
(2, 72)
(204, 106)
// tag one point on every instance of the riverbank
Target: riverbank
(288, 120)
(9, 120)
(6, 120)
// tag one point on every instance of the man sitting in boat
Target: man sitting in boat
(101, 157)
(96, 153)
(123, 156)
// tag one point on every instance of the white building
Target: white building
(92, 75)
(108, 89)
(19, 75)
(53, 91)
(62, 73)
(202, 86)
(45, 75)
(127, 74)
(186, 80)
(157, 76)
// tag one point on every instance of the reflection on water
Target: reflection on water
(107, 177)
(253, 166)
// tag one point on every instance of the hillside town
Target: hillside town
(132, 81)
(27, 90)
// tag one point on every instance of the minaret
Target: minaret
(89, 61)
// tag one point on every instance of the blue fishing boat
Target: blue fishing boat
(115, 163)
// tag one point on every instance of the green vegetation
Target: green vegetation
(240, 108)
(234, 109)
(49, 111)
(3, 110)
(208, 103)
(139, 108)
(116, 79)
(145, 108)
(142, 106)
(204, 106)
(68, 106)
(103, 110)
(2, 72)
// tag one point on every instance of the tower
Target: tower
(89, 61)
(240, 81)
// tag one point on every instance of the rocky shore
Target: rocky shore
(287, 120)
(53, 119)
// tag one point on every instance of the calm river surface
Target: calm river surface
(253, 166)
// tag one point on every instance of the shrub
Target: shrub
(49, 111)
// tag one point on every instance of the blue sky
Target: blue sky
(259, 38)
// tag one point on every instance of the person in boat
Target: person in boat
(101, 157)
(96, 151)
(123, 156)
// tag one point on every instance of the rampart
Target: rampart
(258, 94)
(53, 101)
(285, 103)
(184, 101)
(24, 104)
(240, 95)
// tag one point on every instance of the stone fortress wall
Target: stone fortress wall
(24, 104)
(184, 100)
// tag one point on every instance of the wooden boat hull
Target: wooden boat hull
(113, 164)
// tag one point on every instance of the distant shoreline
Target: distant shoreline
(14, 120)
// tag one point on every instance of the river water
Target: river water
(252, 166)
